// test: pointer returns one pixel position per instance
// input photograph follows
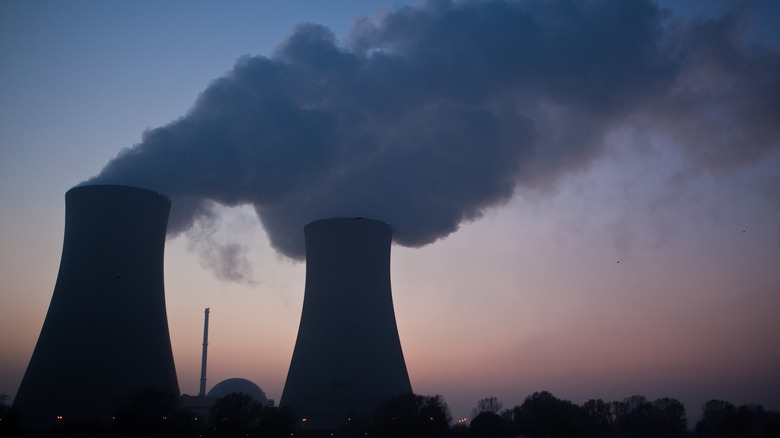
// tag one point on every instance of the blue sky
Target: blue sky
(528, 297)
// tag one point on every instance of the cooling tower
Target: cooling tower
(106, 332)
(347, 357)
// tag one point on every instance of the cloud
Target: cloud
(220, 252)
(427, 115)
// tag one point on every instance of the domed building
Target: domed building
(245, 386)
(201, 405)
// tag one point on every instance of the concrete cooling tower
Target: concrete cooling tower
(106, 332)
(347, 357)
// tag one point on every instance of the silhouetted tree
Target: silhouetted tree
(544, 415)
(627, 413)
(633, 416)
(718, 420)
(670, 419)
(598, 417)
(412, 416)
(435, 416)
(756, 422)
(721, 419)
(234, 415)
(637, 417)
(487, 404)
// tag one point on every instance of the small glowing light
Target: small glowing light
(59, 417)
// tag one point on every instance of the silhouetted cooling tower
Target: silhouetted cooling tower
(106, 331)
(347, 357)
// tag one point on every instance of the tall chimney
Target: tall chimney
(347, 357)
(202, 391)
(106, 331)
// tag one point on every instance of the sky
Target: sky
(585, 196)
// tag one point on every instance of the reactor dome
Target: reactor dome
(228, 386)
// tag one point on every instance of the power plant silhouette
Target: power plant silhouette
(106, 336)
(347, 357)
(106, 331)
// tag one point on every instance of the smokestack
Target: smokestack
(106, 331)
(202, 391)
(348, 356)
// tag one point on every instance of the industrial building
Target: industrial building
(105, 335)
(347, 357)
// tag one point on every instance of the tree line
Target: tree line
(541, 415)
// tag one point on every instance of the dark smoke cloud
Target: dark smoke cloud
(428, 115)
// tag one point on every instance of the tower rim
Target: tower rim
(99, 186)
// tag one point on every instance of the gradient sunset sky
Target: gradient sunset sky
(629, 245)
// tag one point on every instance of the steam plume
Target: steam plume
(426, 116)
